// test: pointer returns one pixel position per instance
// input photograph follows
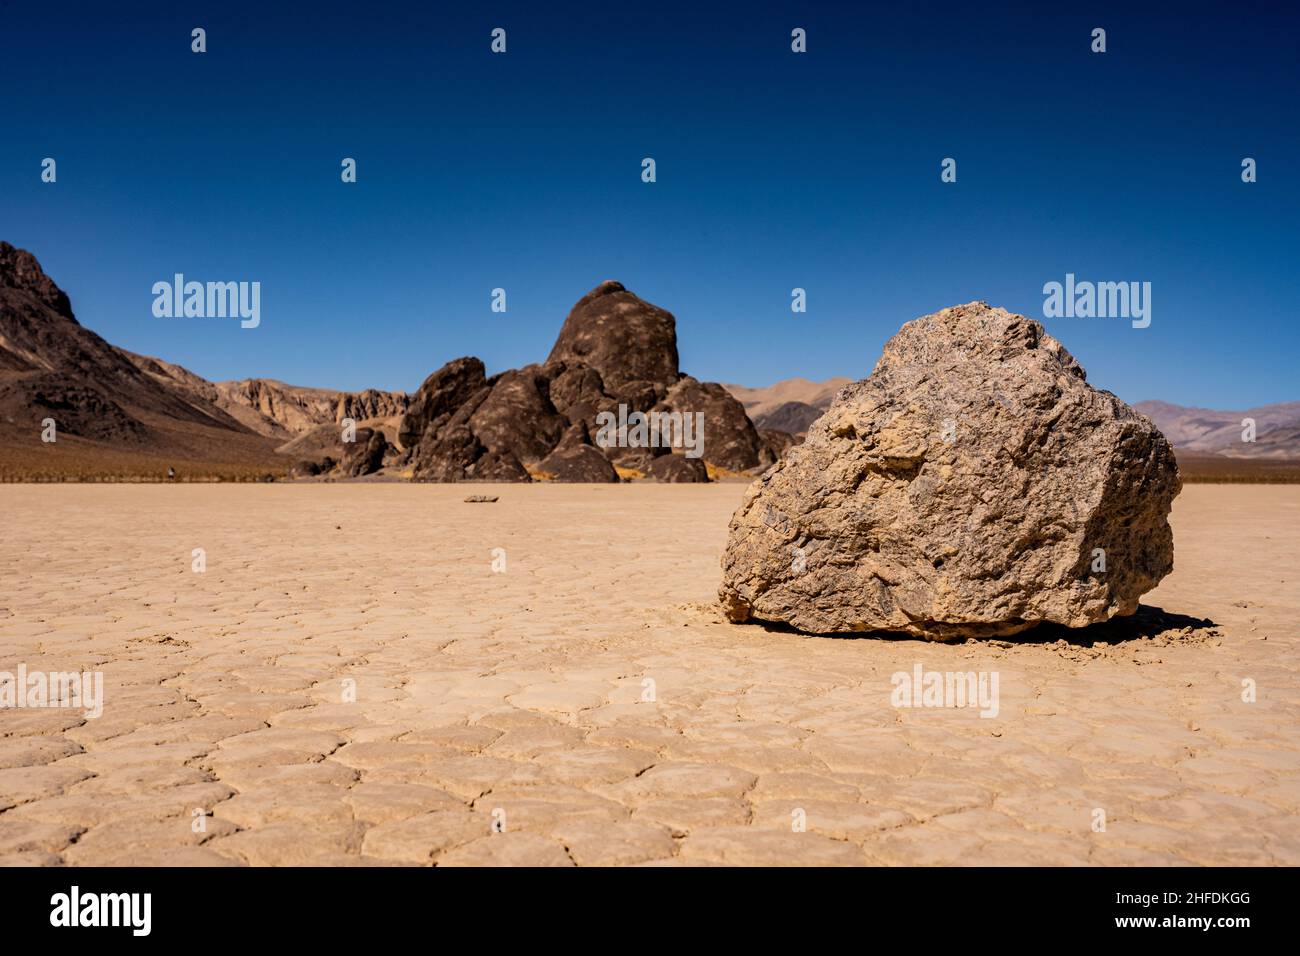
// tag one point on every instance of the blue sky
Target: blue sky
(775, 170)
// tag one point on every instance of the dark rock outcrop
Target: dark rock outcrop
(623, 337)
(517, 417)
(678, 468)
(441, 395)
(578, 393)
(439, 440)
(615, 355)
(457, 455)
(575, 459)
(20, 271)
(365, 456)
(729, 438)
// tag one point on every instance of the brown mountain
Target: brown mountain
(118, 414)
(1208, 432)
(272, 408)
(790, 405)
(110, 417)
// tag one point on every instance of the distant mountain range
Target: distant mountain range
(119, 414)
(790, 405)
(1277, 429)
(793, 404)
(273, 408)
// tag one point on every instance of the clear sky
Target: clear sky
(775, 170)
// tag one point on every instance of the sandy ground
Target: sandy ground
(350, 681)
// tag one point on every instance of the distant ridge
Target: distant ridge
(119, 414)
(790, 405)
(124, 415)
(1209, 432)
(1208, 443)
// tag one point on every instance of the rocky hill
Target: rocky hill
(615, 360)
(272, 408)
(111, 418)
(119, 414)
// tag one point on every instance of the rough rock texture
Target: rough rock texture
(518, 418)
(575, 459)
(440, 396)
(616, 354)
(730, 439)
(19, 270)
(365, 456)
(960, 491)
(621, 336)
(678, 468)
(370, 403)
(437, 436)
(636, 459)
(578, 393)
(457, 455)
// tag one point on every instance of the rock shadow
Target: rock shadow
(1147, 623)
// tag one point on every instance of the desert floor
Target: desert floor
(485, 699)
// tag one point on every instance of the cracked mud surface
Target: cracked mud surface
(485, 699)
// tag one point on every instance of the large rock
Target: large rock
(575, 459)
(442, 393)
(678, 468)
(969, 488)
(517, 417)
(730, 439)
(457, 455)
(365, 456)
(577, 392)
(621, 336)
(615, 355)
